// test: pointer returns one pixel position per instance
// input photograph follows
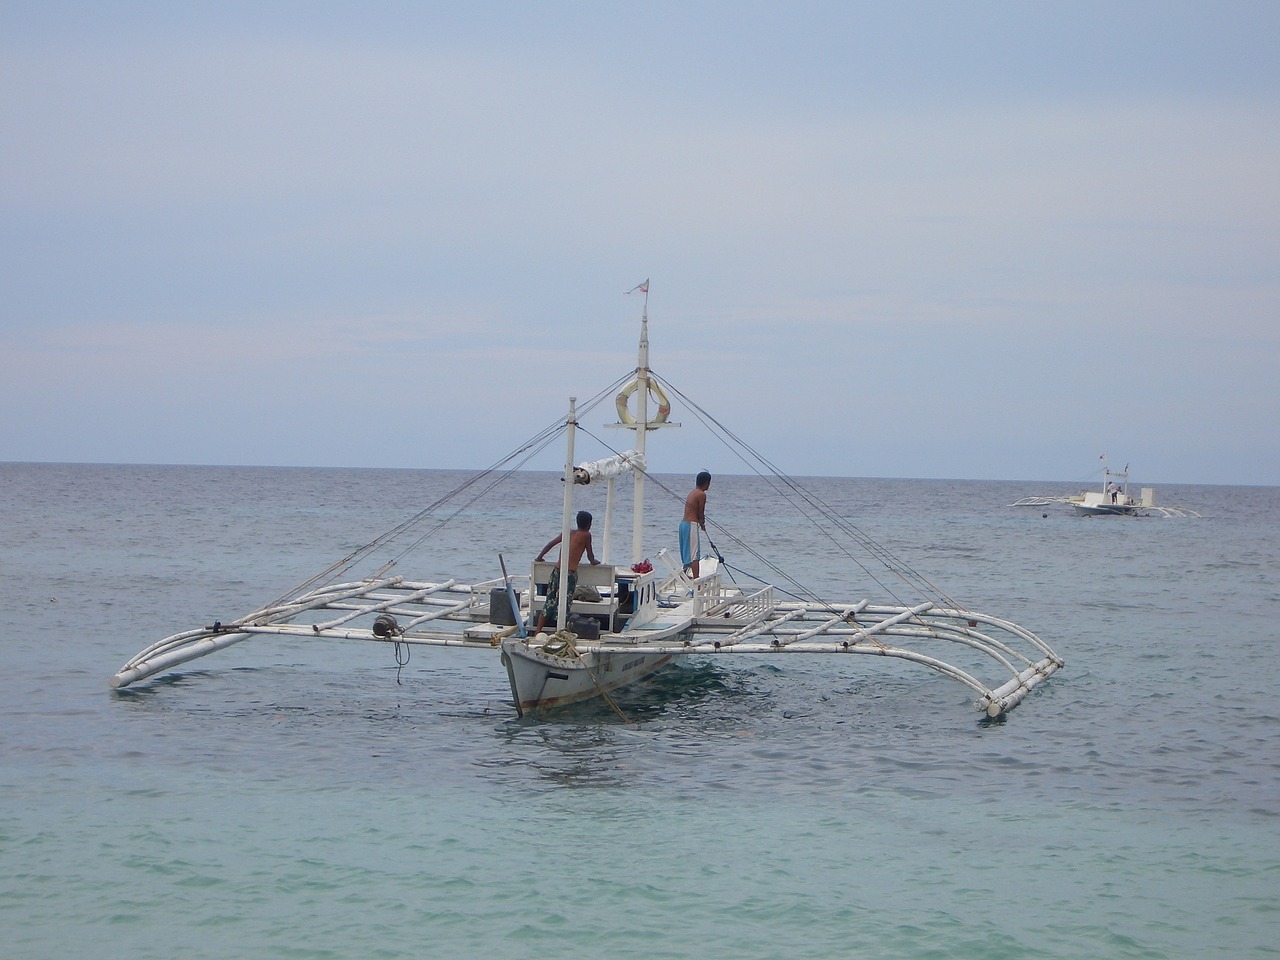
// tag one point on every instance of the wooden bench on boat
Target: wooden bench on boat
(599, 577)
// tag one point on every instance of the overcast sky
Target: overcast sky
(970, 239)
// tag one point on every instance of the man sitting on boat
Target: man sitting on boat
(579, 543)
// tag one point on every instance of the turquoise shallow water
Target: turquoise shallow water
(300, 799)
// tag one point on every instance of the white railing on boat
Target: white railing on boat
(734, 605)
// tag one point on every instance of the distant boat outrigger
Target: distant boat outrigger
(1113, 500)
(629, 619)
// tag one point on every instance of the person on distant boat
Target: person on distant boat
(1115, 491)
(695, 512)
(579, 543)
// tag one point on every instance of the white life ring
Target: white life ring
(655, 391)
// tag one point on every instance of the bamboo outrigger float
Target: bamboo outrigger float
(628, 620)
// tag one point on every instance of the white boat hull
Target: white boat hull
(1105, 510)
(1094, 503)
(542, 682)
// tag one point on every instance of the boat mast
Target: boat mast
(642, 384)
(641, 429)
(1108, 473)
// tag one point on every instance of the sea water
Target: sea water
(308, 799)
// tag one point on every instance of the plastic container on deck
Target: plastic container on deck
(500, 611)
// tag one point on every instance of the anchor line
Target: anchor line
(568, 647)
(603, 692)
(402, 658)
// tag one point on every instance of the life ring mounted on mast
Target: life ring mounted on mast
(655, 391)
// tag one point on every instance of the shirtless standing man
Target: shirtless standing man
(579, 543)
(695, 512)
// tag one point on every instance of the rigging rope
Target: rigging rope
(499, 471)
(818, 512)
(809, 504)
(777, 573)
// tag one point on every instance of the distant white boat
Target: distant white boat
(635, 617)
(1113, 500)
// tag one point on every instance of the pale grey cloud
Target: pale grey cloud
(983, 245)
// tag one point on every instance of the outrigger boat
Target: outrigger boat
(627, 620)
(1113, 500)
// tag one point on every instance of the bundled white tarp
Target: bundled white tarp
(609, 467)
